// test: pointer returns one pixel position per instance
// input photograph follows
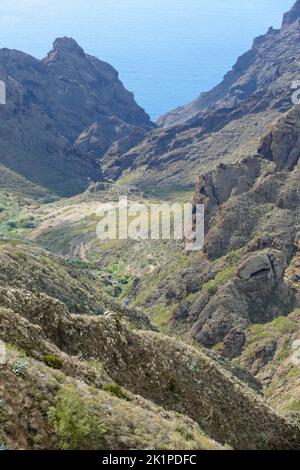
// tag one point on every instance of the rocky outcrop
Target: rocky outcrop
(271, 352)
(256, 294)
(62, 114)
(292, 274)
(216, 187)
(291, 16)
(252, 217)
(255, 266)
(281, 145)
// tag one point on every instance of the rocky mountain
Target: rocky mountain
(223, 125)
(240, 297)
(291, 15)
(148, 345)
(252, 216)
(62, 114)
(263, 74)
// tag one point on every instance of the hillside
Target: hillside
(102, 351)
(142, 345)
(62, 114)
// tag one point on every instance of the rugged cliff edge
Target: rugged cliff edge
(259, 72)
(223, 125)
(62, 114)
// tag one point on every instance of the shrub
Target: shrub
(27, 224)
(211, 287)
(116, 391)
(20, 367)
(123, 279)
(172, 385)
(76, 423)
(79, 264)
(77, 308)
(11, 224)
(226, 275)
(53, 361)
(283, 325)
(221, 279)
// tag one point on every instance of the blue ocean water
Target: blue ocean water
(167, 51)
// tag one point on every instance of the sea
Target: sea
(166, 51)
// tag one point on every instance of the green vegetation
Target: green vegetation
(281, 325)
(116, 391)
(14, 219)
(294, 372)
(161, 316)
(221, 279)
(75, 422)
(118, 282)
(294, 406)
(53, 361)
(79, 264)
(211, 287)
(113, 278)
(20, 367)
(226, 274)
(285, 352)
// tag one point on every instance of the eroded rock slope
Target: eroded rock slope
(171, 374)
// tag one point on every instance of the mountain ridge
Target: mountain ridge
(62, 113)
(229, 125)
(208, 100)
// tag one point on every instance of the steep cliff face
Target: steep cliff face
(292, 15)
(250, 262)
(62, 114)
(223, 125)
(260, 72)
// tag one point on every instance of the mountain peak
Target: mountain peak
(291, 16)
(65, 46)
(71, 98)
